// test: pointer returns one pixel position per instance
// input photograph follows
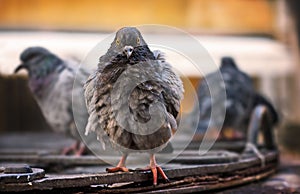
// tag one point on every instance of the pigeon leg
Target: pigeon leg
(81, 149)
(155, 168)
(120, 167)
(70, 148)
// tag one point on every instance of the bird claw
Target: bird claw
(74, 149)
(155, 171)
(117, 169)
(158, 170)
(69, 149)
(81, 150)
(167, 180)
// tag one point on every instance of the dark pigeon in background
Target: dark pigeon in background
(51, 82)
(126, 53)
(241, 99)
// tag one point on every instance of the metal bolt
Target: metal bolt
(2, 169)
(17, 168)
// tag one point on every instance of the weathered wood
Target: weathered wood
(195, 188)
(43, 158)
(194, 184)
(54, 159)
(189, 171)
(83, 180)
(211, 157)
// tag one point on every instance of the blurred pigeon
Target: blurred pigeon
(124, 120)
(51, 82)
(241, 99)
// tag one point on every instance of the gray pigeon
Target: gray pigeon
(241, 99)
(51, 82)
(121, 93)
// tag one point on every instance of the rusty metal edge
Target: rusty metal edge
(202, 188)
(84, 180)
(204, 180)
(50, 159)
(93, 160)
(23, 177)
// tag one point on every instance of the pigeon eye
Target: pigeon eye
(118, 42)
(138, 40)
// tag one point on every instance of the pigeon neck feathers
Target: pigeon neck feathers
(44, 76)
(140, 53)
(119, 63)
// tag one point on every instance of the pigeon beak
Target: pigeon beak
(22, 66)
(128, 50)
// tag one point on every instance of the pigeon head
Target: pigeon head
(126, 40)
(228, 62)
(39, 62)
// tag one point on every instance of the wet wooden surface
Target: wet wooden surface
(207, 177)
(189, 172)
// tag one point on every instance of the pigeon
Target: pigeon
(51, 81)
(241, 100)
(120, 95)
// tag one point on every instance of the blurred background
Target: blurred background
(262, 35)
